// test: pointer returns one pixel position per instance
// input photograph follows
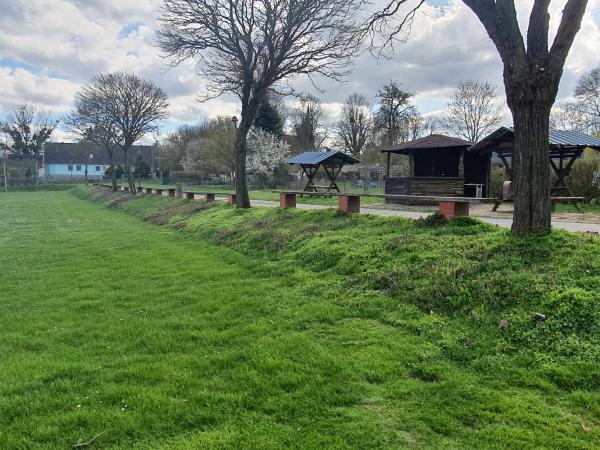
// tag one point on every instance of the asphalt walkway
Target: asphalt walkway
(580, 227)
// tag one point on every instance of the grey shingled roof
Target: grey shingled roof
(431, 142)
(79, 153)
(315, 158)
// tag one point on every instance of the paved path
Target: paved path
(506, 223)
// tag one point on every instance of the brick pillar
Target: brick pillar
(172, 192)
(140, 189)
(190, 196)
(287, 200)
(349, 204)
(148, 190)
(450, 210)
(159, 192)
(231, 199)
(208, 198)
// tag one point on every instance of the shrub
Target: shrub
(434, 220)
(584, 179)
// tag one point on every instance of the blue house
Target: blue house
(72, 160)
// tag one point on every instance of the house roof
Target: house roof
(431, 142)
(503, 139)
(86, 153)
(316, 158)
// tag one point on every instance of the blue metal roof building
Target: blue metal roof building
(316, 158)
(565, 147)
(332, 163)
(502, 141)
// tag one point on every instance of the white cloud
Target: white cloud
(50, 48)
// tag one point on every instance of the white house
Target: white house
(73, 160)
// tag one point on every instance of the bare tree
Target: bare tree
(393, 114)
(587, 100)
(308, 123)
(355, 127)
(92, 125)
(125, 108)
(569, 116)
(28, 130)
(471, 112)
(532, 73)
(246, 47)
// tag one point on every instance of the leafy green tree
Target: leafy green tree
(142, 168)
(269, 119)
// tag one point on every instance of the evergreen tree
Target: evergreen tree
(269, 119)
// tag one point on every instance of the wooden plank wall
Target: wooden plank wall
(444, 187)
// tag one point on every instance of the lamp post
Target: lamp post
(234, 121)
(91, 156)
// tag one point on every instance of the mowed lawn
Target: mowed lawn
(119, 334)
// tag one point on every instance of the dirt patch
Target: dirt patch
(117, 202)
(180, 225)
(163, 217)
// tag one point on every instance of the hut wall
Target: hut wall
(432, 186)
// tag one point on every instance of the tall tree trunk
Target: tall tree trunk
(130, 180)
(531, 167)
(249, 109)
(241, 150)
(111, 158)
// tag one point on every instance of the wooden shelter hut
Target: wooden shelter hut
(565, 148)
(439, 166)
(332, 163)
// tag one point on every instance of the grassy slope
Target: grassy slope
(331, 331)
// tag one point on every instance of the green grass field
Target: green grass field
(159, 324)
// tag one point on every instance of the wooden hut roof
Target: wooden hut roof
(431, 142)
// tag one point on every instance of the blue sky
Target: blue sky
(50, 48)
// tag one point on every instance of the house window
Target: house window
(97, 168)
(70, 168)
(78, 168)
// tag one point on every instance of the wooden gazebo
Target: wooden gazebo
(332, 163)
(565, 148)
(439, 166)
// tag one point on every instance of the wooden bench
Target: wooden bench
(449, 207)
(553, 201)
(572, 200)
(348, 203)
(208, 196)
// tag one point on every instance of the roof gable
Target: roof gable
(431, 142)
(558, 139)
(316, 158)
(88, 153)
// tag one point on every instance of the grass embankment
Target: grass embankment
(312, 330)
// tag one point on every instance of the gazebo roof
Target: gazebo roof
(502, 140)
(431, 142)
(316, 158)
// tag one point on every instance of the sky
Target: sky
(50, 48)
